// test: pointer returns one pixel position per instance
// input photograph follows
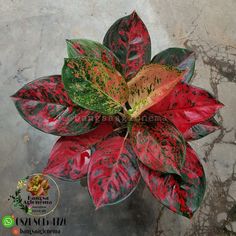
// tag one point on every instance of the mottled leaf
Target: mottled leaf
(94, 85)
(182, 196)
(70, 156)
(201, 130)
(113, 171)
(181, 58)
(129, 39)
(151, 84)
(84, 47)
(44, 104)
(186, 106)
(160, 146)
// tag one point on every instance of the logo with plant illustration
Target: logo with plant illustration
(36, 195)
(38, 185)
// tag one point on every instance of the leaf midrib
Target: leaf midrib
(189, 108)
(107, 95)
(114, 168)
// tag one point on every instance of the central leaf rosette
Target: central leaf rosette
(95, 84)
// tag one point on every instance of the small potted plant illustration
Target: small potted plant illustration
(38, 185)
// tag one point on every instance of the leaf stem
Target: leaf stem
(126, 113)
(127, 133)
(120, 128)
(122, 115)
(125, 110)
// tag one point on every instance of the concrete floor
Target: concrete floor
(32, 44)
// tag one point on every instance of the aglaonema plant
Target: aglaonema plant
(123, 116)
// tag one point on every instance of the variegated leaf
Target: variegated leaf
(181, 58)
(186, 106)
(45, 105)
(159, 146)
(129, 39)
(113, 171)
(151, 84)
(70, 156)
(94, 85)
(182, 196)
(201, 130)
(84, 47)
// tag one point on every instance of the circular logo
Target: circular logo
(37, 195)
(8, 221)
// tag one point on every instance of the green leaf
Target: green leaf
(84, 47)
(94, 85)
(181, 58)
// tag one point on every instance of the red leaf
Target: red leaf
(45, 105)
(113, 171)
(129, 39)
(201, 130)
(70, 156)
(181, 196)
(160, 147)
(186, 106)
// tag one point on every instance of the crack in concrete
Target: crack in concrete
(159, 232)
(217, 201)
(19, 77)
(219, 59)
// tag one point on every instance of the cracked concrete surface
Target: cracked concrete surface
(32, 45)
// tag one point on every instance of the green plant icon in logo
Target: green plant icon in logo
(8, 221)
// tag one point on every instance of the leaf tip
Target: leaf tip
(66, 60)
(134, 13)
(98, 206)
(13, 97)
(189, 215)
(221, 105)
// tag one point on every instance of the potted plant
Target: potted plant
(124, 116)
